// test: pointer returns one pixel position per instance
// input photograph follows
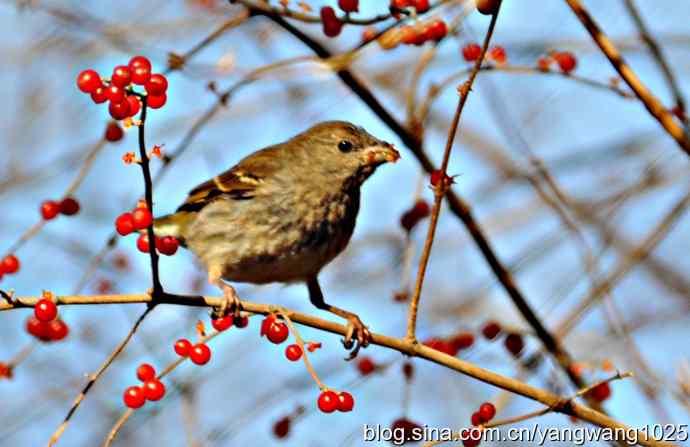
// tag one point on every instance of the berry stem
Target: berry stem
(300, 342)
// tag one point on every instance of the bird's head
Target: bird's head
(345, 150)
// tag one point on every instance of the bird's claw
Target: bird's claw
(356, 337)
(231, 302)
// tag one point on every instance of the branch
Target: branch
(651, 102)
(558, 403)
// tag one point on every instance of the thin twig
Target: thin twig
(651, 102)
(444, 184)
(94, 377)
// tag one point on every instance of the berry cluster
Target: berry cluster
(45, 324)
(566, 61)
(138, 220)
(329, 401)
(199, 354)
(414, 215)
(124, 101)
(451, 345)
(513, 342)
(472, 51)
(9, 265)
(418, 34)
(274, 330)
(68, 206)
(484, 414)
(151, 389)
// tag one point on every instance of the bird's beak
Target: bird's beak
(381, 153)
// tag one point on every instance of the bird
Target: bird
(281, 214)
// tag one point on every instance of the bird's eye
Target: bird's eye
(345, 146)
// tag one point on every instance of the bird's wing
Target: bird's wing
(238, 183)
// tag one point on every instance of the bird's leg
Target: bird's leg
(358, 334)
(230, 297)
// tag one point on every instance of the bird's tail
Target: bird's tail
(175, 224)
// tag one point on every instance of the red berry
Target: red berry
(115, 94)
(471, 437)
(99, 95)
(491, 330)
(69, 206)
(514, 344)
(156, 85)
(331, 24)
(10, 264)
(125, 224)
(410, 430)
(119, 110)
(282, 427)
(113, 132)
(200, 354)
(134, 105)
(488, 7)
(134, 397)
(441, 345)
(463, 340)
(182, 347)
(437, 175)
(154, 389)
(122, 76)
(277, 333)
(57, 330)
(436, 30)
(293, 353)
(142, 218)
(241, 321)
(366, 366)
(37, 328)
(88, 81)
(139, 62)
(167, 245)
(476, 419)
(566, 61)
(349, 5)
(497, 54)
(143, 243)
(328, 401)
(408, 371)
(266, 324)
(421, 6)
(50, 209)
(345, 401)
(601, 392)
(141, 75)
(222, 323)
(146, 372)
(487, 411)
(401, 4)
(544, 63)
(157, 101)
(45, 310)
(471, 52)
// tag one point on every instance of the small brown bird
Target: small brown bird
(282, 213)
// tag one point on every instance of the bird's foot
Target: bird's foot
(357, 336)
(231, 302)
